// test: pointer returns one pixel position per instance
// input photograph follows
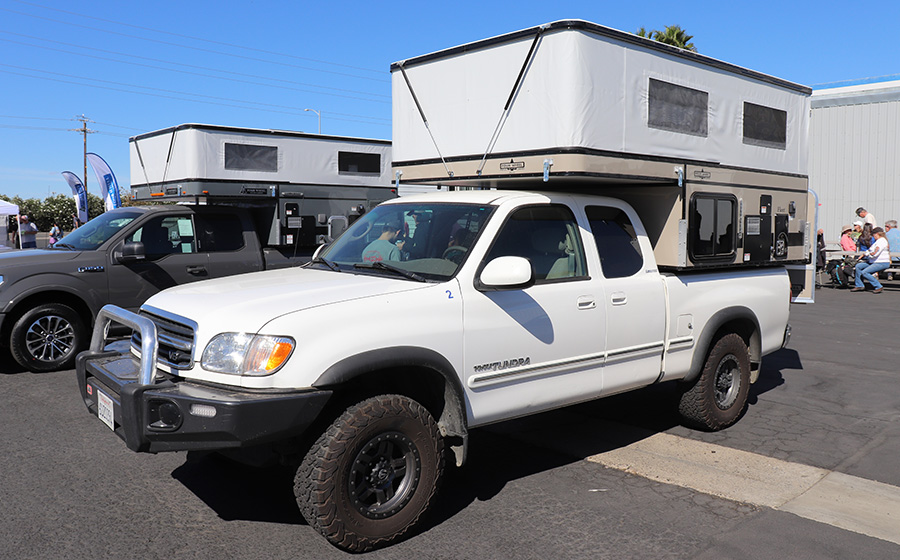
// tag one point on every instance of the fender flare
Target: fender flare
(453, 420)
(712, 327)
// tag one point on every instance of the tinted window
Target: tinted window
(219, 232)
(764, 126)
(712, 232)
(617, 242)
(248, 157)
(166, 235)
(545, 235)
(678, 108)
(357, 162)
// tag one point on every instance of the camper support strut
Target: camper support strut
(424, 120)
(509, 100)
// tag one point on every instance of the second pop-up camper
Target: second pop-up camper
(304, 189)
(711, 155)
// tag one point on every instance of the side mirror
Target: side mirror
(131, 252)
(506, 273)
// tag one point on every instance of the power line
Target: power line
(254, 76)
(294, 111)
(194, 38)
(200, 49)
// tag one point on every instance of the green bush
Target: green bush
(58, 208)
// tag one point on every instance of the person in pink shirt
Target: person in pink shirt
(847, 243)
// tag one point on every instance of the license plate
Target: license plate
(105, 409)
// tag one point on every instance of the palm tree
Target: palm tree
(672, 35)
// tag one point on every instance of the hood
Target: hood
(34, 261)
(246, 302)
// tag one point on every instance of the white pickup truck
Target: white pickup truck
(432, 315)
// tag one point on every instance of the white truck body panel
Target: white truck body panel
(516, 352)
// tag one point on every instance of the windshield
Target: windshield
(429, 240)
(97, 231)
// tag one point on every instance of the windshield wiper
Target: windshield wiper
(64, 246)
(381, 265)
(326, 262)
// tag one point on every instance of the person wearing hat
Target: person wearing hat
(876, 259)
(857, 230)
(847, 243)
(28, 232)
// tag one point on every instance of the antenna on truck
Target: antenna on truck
(424, 120)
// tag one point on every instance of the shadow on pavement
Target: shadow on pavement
(240, 492)
(498, 454)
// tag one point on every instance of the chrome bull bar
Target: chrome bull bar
(149, 344)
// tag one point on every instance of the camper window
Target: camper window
(678, 108)
(247, 157)
(764, 126)
(712, 227)
(356, 162)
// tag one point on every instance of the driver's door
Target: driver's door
(532, 349)
(171, 259)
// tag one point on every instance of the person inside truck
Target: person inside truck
(384, 248)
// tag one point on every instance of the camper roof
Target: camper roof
(577, 24)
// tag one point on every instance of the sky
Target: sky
(135, 67)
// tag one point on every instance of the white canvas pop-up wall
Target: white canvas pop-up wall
(591, 88)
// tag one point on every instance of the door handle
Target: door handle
(586, 302)
(619, 298)
(197, 270)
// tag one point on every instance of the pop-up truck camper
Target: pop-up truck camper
(304, 189)
(712, 156)
(631, 212)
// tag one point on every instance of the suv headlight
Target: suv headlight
(246, 354)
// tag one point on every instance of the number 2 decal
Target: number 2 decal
(449, 294)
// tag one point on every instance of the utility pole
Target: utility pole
(84, 130)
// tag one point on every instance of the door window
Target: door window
(166, 235)
(617, 243)
(548, 237)
(219, 232)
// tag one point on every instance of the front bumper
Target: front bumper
(173, 414)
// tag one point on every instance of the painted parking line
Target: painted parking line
(848, 502)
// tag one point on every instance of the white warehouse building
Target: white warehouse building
(854, 153)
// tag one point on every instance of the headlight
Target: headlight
(246, 354)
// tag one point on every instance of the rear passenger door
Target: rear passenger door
(221, 236)
(635, 299)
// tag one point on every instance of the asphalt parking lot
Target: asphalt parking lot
(538, 487)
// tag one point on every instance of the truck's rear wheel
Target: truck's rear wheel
(47, 338)
(373, 473)
(718, 397)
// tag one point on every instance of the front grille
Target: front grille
(176, 341)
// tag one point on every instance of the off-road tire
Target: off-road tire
(718, 396)
(372, 475)
(48, 338)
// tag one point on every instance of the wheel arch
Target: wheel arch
(736, 319)
(419, 373)
(35, 298)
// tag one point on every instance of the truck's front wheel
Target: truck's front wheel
(718, 397)
(373, 473)
(48, 337)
